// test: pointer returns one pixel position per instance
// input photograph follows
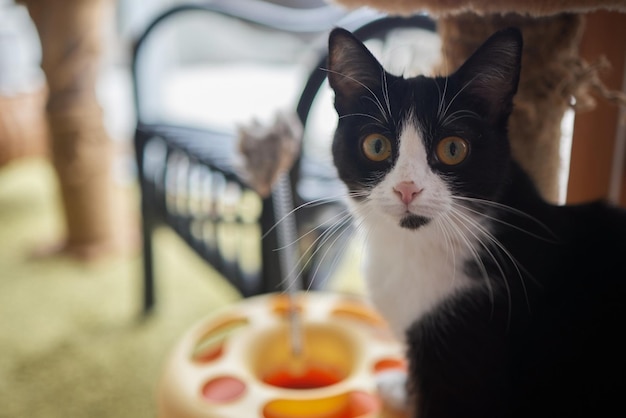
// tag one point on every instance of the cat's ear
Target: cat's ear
(492, 72)
(352, 69)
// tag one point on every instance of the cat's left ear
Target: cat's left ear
(492, 72)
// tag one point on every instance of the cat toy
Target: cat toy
(240, 363)
(291, 355)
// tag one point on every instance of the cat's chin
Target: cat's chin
(412, 221)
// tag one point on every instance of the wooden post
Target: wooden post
(593, 156)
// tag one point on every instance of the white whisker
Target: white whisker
(464, 221)
(442, 100)
(385, 88)
(502, 250)
(312, 230)
(324, 236)
(323, 257)
(459, 114)
(445, 112)
(363, 115)
(498, 220)
(512, 210)
(443, 225)
(381, 109)
(454, 219)
(312, 203)
(375, 99)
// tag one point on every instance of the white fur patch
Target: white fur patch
(408, 272)
(392, 388)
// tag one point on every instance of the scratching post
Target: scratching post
(82, 160)
(71, 36)
(549, 78)
(23, 129)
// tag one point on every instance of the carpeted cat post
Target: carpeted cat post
(554, 77)
(23, 127)
(71, 33)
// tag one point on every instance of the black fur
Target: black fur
(545, 339)
(414, 221)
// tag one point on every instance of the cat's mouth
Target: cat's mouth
(412, 221)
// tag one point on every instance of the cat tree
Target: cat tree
(71, 38)
(555, 75)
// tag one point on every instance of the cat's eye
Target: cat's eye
(452, 150)
(376, 147)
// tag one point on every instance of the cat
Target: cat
(509, 306)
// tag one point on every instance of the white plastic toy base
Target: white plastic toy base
(238, 363)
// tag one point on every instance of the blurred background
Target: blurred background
(73, 342)
(73, 339)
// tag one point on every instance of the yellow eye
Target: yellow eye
(452, 150)
(376, 147)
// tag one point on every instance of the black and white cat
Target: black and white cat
(510, 306)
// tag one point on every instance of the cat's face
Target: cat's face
(412, 149)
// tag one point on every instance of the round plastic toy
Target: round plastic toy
(240, 363)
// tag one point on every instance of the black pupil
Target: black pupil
(452, 148)
(378, 146)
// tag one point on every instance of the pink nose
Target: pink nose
(407, 191)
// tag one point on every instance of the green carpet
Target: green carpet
(71, 342)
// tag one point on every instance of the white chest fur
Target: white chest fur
(409, 272)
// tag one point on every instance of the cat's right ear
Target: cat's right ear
(352, 69)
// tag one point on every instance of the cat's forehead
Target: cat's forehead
(431, 87)
(422, 88)
(420, 95)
